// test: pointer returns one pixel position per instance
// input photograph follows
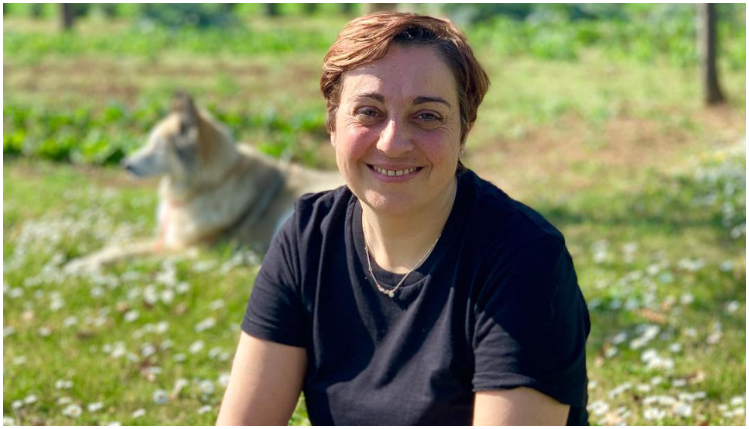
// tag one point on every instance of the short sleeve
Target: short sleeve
(531, 324)
(274, 310)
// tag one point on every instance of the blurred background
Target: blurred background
(623, 124)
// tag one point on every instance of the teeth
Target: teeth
(393, 173)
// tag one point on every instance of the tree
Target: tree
(36, 10)
(310, 8)
(707, 43)
(109, 10)
(68, 15)
(379, 7)
(271, 9)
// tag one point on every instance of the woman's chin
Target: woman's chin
(389, 204)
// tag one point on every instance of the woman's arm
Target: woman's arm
(265, 382)
(518, 407)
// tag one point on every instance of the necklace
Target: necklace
(391, 292)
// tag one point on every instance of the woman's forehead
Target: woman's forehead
(408, 72)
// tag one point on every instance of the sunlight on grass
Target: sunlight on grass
(648, 187)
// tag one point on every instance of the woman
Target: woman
(418, 293)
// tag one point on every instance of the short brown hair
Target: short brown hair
(368, 38)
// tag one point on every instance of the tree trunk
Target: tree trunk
(347, 8)
(36, 10)
(379, 7)
(271, 9)
(109, 10)
(310, 8)
(68, 15)
(707, 44)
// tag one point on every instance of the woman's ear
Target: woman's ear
(332, 138)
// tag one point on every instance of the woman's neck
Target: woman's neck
(398, 242)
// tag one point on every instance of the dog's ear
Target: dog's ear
(183, 105)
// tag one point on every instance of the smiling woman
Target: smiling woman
(418, 293)
(399, 123)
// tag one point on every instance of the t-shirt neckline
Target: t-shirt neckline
(418, 277)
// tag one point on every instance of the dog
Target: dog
(211, 188)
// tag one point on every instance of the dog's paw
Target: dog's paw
(82, 265)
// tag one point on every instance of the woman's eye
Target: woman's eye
(366, 112)
(429, 117)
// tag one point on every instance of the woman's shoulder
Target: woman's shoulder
(316, 210)
(503, 221)
(324, 200)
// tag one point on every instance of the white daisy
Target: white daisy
(205, 324)
(72, 410)
(223, 379)
(131, 316)
(682, 410)
(63, 384)
(160, 396)
(207, 387)
(196, 346)
(653, 414)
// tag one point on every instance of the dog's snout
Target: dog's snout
(129, 166)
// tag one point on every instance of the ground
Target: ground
(647, 185)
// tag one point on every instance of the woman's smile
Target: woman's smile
(394, 174)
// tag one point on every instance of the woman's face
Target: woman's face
(397, 131)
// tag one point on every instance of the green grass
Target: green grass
(130, 73)
(652, 250)
(621, 156)
(49, 218)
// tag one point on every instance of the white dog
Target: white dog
(211, 188)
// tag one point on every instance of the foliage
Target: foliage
(178, 15)
(105, 136)
(151, 41)
(548, 31)
(665, 32)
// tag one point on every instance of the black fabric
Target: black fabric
(495, 306)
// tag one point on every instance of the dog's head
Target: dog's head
(179, 146)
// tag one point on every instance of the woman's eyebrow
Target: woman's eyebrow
(418, 100)
(425, 99)
(377, 96)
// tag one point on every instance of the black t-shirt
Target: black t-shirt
(495, 306)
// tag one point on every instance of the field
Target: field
(612, 146)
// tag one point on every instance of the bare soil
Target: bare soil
(571, 153)
(575, 156)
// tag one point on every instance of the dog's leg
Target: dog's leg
(112, 254)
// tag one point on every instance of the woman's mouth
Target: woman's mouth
(393, 174)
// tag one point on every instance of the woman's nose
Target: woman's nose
(395, 139)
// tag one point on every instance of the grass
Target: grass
(647, 186)
(675, 266)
